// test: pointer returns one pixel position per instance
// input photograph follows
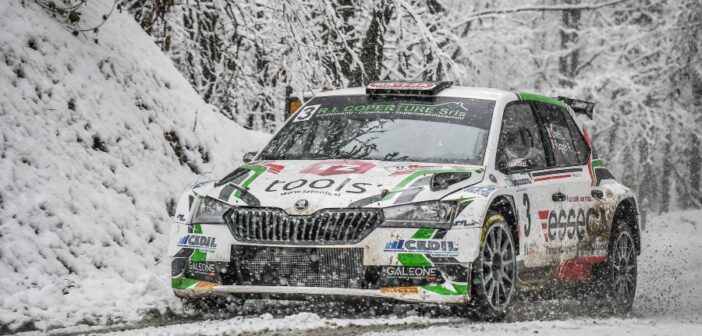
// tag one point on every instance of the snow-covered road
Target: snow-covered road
(565, 320)
(669, 302)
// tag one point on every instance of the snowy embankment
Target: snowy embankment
(98, 138)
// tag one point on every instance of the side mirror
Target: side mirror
(248, 157)
(518, 165)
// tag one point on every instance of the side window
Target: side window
(562, 143)
(520, 137)
(581, 147)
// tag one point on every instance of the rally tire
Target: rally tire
(494, 273)
(614, 282)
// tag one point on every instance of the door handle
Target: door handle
(597, 193)
(558, 197)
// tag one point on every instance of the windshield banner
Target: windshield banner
(465, 111)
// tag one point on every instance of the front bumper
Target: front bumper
(394, 264)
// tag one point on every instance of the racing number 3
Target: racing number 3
(306, 113)
(527, 226)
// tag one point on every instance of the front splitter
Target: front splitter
(405, 294)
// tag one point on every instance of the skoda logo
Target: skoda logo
(302, 205)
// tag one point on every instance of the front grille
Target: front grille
(300, 267)
(329, 226)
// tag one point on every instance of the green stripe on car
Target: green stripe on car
(424, 234)
(197, 254)
(442, 290)
(527, 96)
(417, 174)
(413, 259)
(182, 283)
(258, 170)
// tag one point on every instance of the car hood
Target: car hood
(302, 187)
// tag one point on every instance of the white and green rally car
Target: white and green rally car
(418, 192)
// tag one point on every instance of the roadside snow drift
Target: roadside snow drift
(98, 138)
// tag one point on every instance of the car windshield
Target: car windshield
(427, 129)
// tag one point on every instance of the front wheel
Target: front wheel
(494, 272)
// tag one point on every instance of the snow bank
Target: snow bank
(97, 141)
(670, 266)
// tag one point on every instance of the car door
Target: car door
(565, 220)
(521, 152)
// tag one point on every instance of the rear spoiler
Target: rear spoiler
(579, 106)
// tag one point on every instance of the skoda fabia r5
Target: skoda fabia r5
(419, 192)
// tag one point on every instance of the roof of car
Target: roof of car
(453, 91)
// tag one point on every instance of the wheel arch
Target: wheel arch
(628, 212)
(504, 205)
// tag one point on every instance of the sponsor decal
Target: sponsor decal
(432, 247)
(560, 143)
(406, 169)
(327, 187)
(198, 242)
(531, 248)
(587, 198)
(274, 168)
(520, 181)
(597, 247)
(518, 164)
(463, 222)
(180, 217)
(572, 223)
(439, 109)
(205, 285)
(325, 168)
(402, 85)
(302, 205)
(202, 268)
(482, 191)
(400, 290)
(450, 112)
(411, 273)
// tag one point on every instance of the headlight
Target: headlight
(432, 214)
(209, 211)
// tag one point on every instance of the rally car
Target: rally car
(419, 192)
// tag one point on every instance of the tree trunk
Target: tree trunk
(569, 62)
(373, 43)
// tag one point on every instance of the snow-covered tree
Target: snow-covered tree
(639, 60)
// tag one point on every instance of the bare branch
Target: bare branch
(545, 8)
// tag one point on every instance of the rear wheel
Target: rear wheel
(615, 281)
(494, 271)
